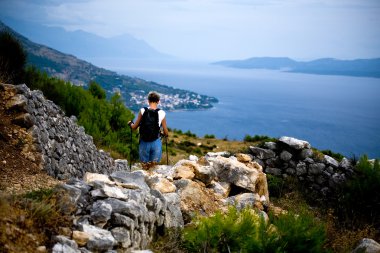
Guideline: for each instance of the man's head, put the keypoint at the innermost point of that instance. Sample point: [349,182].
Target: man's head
[153,97]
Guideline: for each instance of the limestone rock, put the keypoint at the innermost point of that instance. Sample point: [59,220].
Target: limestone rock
[331,161]
[261,153]
[173,215]
[237,173]
[92,177]
[184,172]
[221,188]
[99,239]
[295,143]
[122,236]
[161,184]
[81,238]
[367,245]
[204,173]
[196,199]
[244,158]
[135,178]
[285,155]
[243,200]
[101,213]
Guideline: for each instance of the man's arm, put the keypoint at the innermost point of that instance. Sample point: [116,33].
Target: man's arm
[164,126]
[137,123]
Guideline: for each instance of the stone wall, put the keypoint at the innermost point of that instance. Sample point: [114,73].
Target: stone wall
[293,157]
[66,150]
[124,211]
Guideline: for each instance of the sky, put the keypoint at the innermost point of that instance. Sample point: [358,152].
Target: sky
[221,29]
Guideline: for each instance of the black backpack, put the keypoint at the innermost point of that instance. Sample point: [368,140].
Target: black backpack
[149,125]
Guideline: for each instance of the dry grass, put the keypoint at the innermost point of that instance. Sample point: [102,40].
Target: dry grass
[181,146]
[339,238]
[31,220]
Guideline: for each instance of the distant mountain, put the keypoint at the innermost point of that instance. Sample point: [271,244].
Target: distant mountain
[86,45]
[79,72]
[325,66]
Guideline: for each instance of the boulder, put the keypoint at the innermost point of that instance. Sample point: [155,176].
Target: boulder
[101,213]
[161,184]
[316,168]
[295,143]
[270,145]
[237,173]
[173,215]
[345,164]
[196,199]
[216,154]
[243,200]
[306,153]
[285,155]
[220,188]
[135,179]
[331,161]
[367,245]
[122,236]
[204,173]
[261,153]
[81,238]
[184,172]
[90,178]
[99,239]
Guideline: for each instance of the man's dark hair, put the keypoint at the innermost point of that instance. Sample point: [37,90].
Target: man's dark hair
[153,97]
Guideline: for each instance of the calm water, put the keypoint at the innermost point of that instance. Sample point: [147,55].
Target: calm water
[331,112]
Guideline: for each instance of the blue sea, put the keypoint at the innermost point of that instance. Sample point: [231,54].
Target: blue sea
[339,113]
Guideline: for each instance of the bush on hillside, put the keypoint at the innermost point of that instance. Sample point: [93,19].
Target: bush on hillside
[246,231]
[258,138]
[12,59]
[337,156]
[358,201]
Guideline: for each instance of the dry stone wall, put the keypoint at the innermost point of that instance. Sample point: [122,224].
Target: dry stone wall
[66,150]
[124,211]
[293,157]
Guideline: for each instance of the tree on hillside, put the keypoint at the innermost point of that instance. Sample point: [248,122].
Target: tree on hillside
[96,90]
[12,59]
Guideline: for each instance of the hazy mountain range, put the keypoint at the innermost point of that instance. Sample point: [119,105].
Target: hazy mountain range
[80,72]
[325,66]
[86,45]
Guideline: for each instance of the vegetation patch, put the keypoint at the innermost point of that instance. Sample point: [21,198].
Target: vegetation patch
[29,221]
[247,231]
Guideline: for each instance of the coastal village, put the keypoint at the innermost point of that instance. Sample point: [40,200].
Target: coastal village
[173,101]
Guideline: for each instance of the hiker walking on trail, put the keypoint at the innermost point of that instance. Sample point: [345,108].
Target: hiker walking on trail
[150,120]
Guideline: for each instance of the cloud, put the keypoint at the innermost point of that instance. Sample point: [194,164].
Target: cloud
[221,28]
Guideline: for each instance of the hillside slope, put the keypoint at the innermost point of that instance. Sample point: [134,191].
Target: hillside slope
[87,45]
[20,162]
[133,90]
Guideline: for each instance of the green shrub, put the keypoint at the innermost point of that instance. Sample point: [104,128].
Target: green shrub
[258,138]
[246,231]
[209,136]
[358,200]
[275,185]
[222,232]
[299,233]
[190,134]
[105,120]
[337,156]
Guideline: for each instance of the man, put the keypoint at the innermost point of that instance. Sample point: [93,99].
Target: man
[150,119]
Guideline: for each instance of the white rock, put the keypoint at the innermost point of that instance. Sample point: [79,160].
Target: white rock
[295,143]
